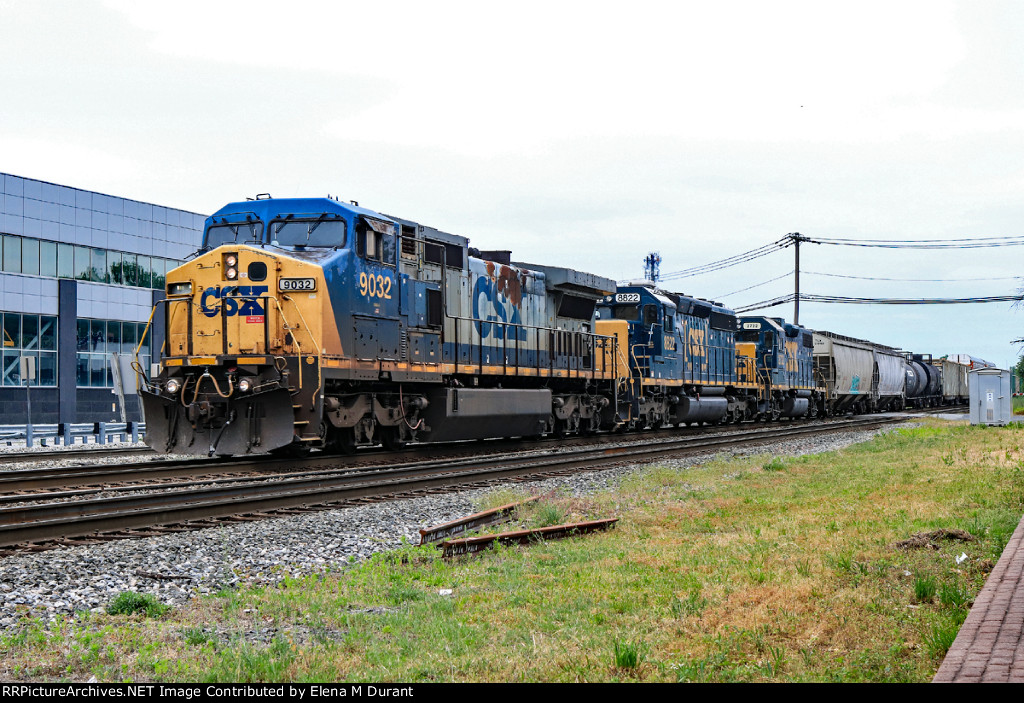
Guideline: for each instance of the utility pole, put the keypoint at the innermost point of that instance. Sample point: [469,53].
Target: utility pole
[797,238]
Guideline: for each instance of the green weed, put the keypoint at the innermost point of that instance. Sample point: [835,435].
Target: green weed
[130,602]
[924,588]
[628,655]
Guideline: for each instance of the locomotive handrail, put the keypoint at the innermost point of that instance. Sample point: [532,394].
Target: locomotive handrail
[319,347]
[139,347]
[519,326]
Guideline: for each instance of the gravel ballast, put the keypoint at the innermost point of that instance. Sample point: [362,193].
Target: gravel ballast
[177,567]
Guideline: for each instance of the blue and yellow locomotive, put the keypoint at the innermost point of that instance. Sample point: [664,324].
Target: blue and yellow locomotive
[681,354]
[779,356]
[691,360]
[313,323]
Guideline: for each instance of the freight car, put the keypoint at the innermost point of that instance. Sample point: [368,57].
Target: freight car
[954,381]
[923,381]
[859,376]
[312,323]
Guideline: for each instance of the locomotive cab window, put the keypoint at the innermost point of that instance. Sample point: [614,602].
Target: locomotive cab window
[630,313]
[650,315]
[375,241]
[319,232]
[234,233]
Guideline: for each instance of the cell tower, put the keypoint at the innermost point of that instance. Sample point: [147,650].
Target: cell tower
[652,267]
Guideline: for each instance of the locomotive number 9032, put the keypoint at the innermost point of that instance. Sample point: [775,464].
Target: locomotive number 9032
[374,286]
[289,284]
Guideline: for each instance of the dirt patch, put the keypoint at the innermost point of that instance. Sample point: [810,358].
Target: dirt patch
[930,540]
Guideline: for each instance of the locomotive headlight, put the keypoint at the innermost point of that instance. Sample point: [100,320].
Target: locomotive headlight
[244,385]
[179,288]
[172,386]
[230,262]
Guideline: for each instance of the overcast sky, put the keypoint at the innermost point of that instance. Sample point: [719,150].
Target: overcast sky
[576,134]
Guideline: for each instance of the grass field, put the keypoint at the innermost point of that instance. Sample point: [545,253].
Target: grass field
[756,569]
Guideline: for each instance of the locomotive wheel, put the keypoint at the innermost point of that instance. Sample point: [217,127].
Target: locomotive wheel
[343,441]
[392,440]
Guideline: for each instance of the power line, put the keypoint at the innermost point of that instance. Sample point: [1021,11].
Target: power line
[914,280]
[962,243]
[756,285]
[844,300]
[771,248]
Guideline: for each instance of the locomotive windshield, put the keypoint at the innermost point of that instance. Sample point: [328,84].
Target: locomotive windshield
[234,233]
[308,233]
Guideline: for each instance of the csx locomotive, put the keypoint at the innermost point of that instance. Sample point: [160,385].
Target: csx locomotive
[310,323]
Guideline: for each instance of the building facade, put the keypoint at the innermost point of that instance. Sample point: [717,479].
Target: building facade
[80,273]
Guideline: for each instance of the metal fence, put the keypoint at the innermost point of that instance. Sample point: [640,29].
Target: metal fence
[73,433]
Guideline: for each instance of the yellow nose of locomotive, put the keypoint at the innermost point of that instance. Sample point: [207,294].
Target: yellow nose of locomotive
[242,356]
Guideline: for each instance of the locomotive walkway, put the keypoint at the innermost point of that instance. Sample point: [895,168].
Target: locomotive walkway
[990,645]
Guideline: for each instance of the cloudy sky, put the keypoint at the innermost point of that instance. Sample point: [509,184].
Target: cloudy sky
[580,134]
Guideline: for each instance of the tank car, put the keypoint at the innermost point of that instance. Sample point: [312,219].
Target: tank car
[312,323]
[923,381]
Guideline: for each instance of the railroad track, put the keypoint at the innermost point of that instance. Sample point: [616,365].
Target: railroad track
[47,523]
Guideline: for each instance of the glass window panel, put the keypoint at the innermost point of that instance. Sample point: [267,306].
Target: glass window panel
[82,343]
[12,253]
[29,332]
[82,370]
[10,368]
[128,338]
[47,370]
[82,263]
[145,272]
[48,333]
[65,261]
[30,256]
[97,336]
[130,265]
[48,259]
[98,268]
[116,267]
[12,330]
[113,336]
[98,370]
[159,273]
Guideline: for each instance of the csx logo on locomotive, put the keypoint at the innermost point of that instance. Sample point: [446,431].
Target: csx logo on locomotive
[234,300]
[487,289]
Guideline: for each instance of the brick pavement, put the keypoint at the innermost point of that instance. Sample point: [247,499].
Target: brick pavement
[990,644]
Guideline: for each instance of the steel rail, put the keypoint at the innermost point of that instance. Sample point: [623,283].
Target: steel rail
[24,480]
[76,518]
